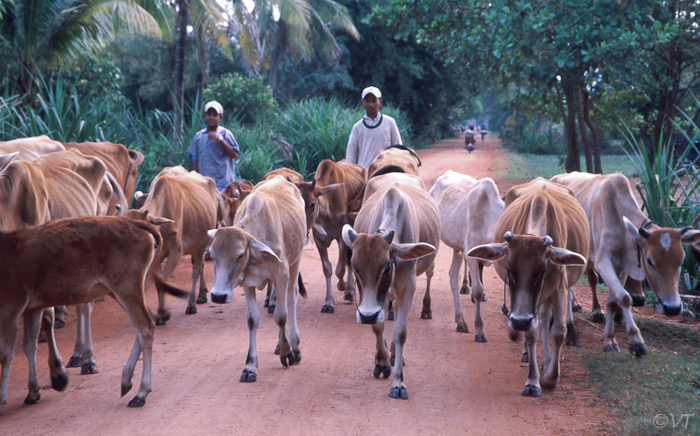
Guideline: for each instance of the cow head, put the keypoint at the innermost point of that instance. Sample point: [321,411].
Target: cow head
[373,262]
[232,197]
[660,255]
[531,263]
[239,260]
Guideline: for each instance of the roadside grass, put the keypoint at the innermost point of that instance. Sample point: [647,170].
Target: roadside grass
[529,165]
[658,394]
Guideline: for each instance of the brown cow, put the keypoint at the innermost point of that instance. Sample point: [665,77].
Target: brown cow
[625,243]
[233,195]
[192,202]
[264,245]
[121,162]
[395,158]
[333,211]
[395,239]
[31,148]
[69,262]
[538,250]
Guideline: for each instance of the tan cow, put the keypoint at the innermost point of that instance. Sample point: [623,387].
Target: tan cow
[122,163]
[264,245]
[333,211]
[625,243]
[31,148]
[397,158]
[69,262]
[192,202]
[395,239]
[538,250]
[469,210]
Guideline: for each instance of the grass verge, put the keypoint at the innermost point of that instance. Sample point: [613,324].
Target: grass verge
[529,166]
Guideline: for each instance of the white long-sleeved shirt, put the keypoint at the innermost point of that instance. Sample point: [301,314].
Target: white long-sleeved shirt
[366,141]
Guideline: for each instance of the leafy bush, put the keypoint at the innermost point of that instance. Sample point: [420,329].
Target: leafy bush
[527,137]
[247,99]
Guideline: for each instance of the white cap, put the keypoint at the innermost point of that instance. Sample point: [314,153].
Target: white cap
[214,105]
[371,90]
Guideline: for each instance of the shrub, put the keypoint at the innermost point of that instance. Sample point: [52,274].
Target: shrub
[247,99]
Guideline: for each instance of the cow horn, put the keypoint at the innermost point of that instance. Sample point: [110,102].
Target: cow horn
[644,232]
[508,235]
[684,229]
[547,241]
[389,237]
[313,181]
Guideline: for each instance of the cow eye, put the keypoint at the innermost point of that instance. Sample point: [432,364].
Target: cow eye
[650,262]
[312,205]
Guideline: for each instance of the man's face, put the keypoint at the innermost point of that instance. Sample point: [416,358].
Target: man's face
[212,118]
[371,105]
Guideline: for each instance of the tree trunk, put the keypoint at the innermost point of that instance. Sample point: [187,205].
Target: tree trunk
[277,55]
[183,18]
[203,67]
[573,159]
[582,131]
[597,166]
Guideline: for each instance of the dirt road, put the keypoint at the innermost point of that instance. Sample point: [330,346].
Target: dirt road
[456,385]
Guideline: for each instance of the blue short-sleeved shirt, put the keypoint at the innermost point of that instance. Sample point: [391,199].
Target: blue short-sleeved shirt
[212,158]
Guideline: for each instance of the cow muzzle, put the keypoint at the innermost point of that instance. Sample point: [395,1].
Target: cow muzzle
[374,318]
[521,323]
[669,309]
[221,298]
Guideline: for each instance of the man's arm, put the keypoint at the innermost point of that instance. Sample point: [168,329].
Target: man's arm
[228,148]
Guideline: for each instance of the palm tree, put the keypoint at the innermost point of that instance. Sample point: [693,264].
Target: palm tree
[303,29]
[42,34]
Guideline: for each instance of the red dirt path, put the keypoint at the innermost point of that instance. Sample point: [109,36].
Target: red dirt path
[455,385]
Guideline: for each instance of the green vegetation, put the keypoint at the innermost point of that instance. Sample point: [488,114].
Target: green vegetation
[529,165]
[649,395]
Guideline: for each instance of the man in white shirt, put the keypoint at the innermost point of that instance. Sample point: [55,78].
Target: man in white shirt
[373,133]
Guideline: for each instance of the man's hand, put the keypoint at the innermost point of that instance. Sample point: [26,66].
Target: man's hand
[215,136]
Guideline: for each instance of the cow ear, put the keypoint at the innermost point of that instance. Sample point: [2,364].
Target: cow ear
[349,235]
[6,159]
[262,248]
[157,220]
[690,236]
[212,233]
[328,189]
[563,257]
[490,252]
[412,251]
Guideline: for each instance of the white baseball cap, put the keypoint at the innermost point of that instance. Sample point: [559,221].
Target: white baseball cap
[371,90]
[214,105]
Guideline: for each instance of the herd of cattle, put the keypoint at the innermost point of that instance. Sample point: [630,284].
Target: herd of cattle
[61,244]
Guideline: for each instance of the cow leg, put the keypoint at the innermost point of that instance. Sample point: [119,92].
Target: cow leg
[532,384]
[328,305]
[76,359]
[465,281]
[60,317]
[271,298]
[86,352]
[382,365]
[203,291]
[197,272]
[30,341]
[145,327]
[59,375]
[575,305]
[173,257]
[400,333]
[427,312]
[475,268]
[349,287]
[292,296]
[544,324]
[287,356]
[557,332]
[571,333]
[455,267]
[636,291]
[598,315]
[250,369]
[9,323]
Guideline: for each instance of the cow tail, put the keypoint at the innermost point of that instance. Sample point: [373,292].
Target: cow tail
[302,288]
[162,284]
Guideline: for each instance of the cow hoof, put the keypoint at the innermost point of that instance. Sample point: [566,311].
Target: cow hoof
[32,399]
[89,368]
[291,359]
[75,362]
[480,337]
[59,382]
[201,300]
[126,388]
[638,350]
[327,309]
[612,347]
[384,371]
[136,402]
[399,392]
[638,300]
[277,350]
[271,309]
[598,318]
[577,308]
[348,298]
[59,324]
[464,290]
[463,329]
[266,303]
[531,391]
[525,358]
[248,376]
[426,315]
[42,337]
[390,315]
[191,310]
